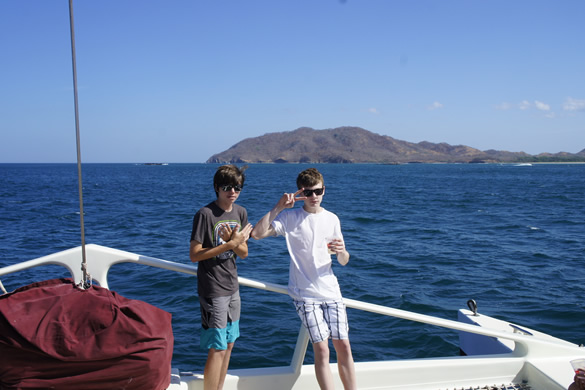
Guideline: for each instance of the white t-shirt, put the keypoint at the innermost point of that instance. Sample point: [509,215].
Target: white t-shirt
[310,275]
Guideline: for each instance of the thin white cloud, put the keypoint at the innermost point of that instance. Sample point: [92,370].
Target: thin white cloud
[373,110]
[524,105]
[435,106]
[541,106]
[574,104]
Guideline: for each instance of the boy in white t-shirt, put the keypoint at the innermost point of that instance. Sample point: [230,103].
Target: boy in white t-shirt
[312,233]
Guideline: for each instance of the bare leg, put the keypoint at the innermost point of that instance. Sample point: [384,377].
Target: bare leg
[213,369]
[322,369]
[225,364]
[345,364]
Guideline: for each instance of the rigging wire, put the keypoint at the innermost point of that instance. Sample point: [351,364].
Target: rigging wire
[85,283]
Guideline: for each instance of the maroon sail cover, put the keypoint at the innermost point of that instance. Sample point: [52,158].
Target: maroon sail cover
[54,335]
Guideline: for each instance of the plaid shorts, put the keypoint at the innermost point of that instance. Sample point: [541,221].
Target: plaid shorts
[324,319]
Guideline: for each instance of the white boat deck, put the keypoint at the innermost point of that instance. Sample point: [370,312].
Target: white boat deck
[530,359]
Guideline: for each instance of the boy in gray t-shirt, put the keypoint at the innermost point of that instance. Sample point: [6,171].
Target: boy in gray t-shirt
[219,235]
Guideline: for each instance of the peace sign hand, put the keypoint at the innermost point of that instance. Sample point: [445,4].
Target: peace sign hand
[288,200]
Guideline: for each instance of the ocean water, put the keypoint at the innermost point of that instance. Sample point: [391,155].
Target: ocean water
[422,237]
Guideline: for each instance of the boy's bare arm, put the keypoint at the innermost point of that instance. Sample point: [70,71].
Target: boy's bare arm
[343,257]
[237,243]
[198,253]
[264,227]
[338,246]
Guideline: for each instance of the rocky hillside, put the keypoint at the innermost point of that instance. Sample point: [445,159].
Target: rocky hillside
[356,145]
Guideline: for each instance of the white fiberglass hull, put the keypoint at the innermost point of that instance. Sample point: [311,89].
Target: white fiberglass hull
[527,360]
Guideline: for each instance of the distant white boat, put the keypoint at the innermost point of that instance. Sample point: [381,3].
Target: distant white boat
[523,165]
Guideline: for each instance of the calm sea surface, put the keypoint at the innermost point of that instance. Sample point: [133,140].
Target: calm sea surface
[424,238]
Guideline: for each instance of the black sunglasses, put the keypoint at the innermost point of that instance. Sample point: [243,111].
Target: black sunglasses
[316,191]
[230,187]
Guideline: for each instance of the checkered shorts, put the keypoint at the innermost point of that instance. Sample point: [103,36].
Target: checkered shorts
[324,319]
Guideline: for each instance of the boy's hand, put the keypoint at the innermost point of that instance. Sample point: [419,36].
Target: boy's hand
[336,245]
[288,200]
[236,235]
[579,379]
[241,236]
[225,232]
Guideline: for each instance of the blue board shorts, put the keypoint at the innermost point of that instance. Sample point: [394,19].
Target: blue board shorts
[324,320]
[220,321]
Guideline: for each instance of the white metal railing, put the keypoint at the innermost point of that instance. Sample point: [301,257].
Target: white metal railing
[101,258]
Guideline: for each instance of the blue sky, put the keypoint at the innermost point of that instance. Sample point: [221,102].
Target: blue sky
[181,80]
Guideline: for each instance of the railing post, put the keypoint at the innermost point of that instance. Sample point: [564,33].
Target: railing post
[300,350]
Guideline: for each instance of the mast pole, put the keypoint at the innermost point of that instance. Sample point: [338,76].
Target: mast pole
[85,282]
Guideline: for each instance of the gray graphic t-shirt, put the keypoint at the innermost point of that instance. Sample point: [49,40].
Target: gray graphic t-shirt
[216,277]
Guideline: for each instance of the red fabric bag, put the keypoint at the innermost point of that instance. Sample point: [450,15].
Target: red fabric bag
[54,335]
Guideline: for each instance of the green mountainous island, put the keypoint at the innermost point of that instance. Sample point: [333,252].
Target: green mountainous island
[357,145]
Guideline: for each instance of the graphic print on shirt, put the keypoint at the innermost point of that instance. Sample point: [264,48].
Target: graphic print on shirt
[217,240]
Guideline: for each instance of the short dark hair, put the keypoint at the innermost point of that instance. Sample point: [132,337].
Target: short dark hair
[229,175]
[309,178]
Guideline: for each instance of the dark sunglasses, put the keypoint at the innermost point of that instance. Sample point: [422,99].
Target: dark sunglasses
[228,188]
[316,191]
